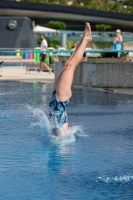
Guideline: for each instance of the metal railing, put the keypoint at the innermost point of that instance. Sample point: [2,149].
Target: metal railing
[20,57]
[15,56]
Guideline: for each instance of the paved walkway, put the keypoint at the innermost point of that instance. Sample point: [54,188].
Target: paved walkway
[19,73]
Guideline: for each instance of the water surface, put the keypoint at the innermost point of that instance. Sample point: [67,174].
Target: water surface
[96,163]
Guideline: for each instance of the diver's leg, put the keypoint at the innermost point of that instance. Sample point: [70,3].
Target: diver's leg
[64,80]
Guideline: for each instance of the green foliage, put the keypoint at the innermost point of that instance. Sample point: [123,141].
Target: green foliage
[99,44]
[102,45]
[56,25]
[69,44]
[38,41]
[55,44]
[62,2]
[102,27]
[107,5]
[51,43]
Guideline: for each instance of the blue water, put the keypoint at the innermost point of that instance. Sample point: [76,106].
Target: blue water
[94,162]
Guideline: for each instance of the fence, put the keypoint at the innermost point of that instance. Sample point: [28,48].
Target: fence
[21,57]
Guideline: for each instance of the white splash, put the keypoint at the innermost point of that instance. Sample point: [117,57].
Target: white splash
[116,179]
[41,114]
[42,117]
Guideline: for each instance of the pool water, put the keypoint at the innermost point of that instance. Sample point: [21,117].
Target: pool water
[94,162]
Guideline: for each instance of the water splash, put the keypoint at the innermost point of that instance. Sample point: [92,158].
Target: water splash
[43,121]
[70,136]
[117,179]
[41,115]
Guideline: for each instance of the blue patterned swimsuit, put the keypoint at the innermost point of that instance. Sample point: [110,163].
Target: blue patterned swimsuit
[58,110]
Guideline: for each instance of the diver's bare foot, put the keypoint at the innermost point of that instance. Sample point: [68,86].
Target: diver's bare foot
[87,32]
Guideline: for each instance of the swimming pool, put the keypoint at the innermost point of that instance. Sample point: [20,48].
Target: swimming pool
[96,163]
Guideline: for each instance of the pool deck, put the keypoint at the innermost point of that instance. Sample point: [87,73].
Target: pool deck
[19,74]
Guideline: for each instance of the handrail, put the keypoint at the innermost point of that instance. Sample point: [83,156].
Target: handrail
[65,51]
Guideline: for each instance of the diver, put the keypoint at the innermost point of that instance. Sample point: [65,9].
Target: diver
[62,93]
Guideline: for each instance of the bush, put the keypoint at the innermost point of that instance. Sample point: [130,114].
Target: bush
[102,27]
[51,43]
[102,45]
[69,43]
[38,41]
[56,25]
[55,44]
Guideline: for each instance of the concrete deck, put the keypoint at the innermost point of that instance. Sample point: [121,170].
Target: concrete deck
[19,73]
